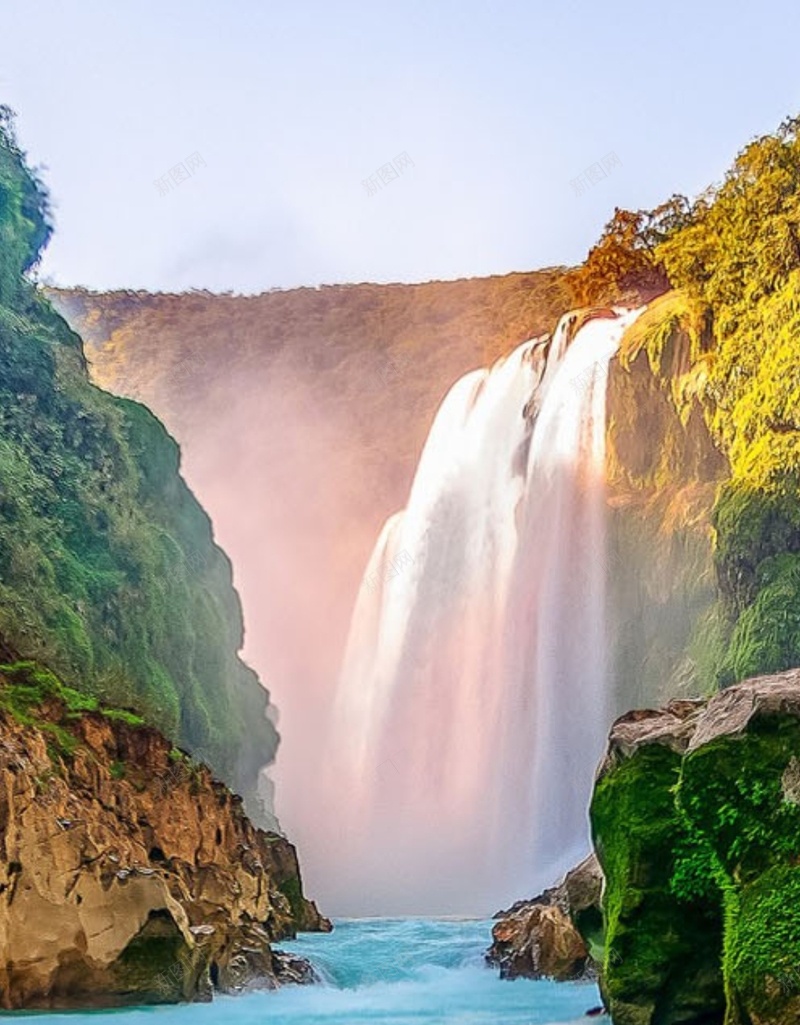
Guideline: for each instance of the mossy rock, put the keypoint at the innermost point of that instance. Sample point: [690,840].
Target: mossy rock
[696,820]
[740,791]
[662,955]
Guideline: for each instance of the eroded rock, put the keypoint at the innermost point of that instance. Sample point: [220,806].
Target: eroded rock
[540,938]
[129,875]
[697,826]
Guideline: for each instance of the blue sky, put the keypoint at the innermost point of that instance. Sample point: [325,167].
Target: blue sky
[292,106]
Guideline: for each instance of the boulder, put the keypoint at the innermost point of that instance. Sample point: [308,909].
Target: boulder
[661,959]
[540,938]
[696,823]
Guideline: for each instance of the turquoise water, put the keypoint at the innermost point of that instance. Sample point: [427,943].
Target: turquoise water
[386,972]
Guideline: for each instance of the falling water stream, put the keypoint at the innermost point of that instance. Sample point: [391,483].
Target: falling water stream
[474,697]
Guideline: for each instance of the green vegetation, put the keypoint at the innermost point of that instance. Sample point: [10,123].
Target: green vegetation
[724,345]
[293,892]
[700,853]
[625,263]
[663,472]
[108,570]
[701,849]
[658,913]
[122,715]
[36,697]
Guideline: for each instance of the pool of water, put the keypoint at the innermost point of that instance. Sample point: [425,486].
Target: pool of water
[385,972]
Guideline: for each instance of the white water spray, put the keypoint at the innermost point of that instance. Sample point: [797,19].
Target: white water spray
[474,700]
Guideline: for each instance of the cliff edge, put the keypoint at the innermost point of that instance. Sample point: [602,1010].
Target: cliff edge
[128,873]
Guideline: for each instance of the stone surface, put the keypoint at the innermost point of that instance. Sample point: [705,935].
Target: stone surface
[128,876]
[540,939]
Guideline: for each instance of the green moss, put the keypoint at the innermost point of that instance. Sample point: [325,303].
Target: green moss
[122,715]
[731,790]
[657,914]
[63,744]
[732,793]
[156,963]
[27,686]
[292,891]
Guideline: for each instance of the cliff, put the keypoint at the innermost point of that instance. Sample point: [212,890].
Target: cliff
[696,819]
[109,573]
[663,471]
[128,873]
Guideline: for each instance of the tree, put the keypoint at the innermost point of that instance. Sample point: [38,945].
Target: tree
[624,262]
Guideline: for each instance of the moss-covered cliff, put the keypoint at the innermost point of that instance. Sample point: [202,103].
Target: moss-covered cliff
[663,471]
[662,954]
[108,569]
[733,257]
[696,818]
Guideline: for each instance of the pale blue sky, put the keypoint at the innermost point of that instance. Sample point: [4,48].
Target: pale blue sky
[500,105]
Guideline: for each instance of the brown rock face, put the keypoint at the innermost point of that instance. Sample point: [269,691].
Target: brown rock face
[129,876]
[540,938]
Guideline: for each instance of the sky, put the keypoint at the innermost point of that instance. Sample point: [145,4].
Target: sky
[226,145]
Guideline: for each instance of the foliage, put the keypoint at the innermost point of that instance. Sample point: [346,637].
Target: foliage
[35,696]
[108,569]
[24,212]
[625,260]
[728,341]
[123,715]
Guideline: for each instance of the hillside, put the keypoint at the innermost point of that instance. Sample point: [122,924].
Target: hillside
[109,573]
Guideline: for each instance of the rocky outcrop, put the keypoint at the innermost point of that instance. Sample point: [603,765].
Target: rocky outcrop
[128,874]
[663,948]
[550,936]
[697,826]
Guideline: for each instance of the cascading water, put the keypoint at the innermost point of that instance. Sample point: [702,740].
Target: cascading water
[474,698]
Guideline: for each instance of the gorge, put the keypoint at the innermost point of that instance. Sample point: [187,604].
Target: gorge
[651,586]
[601,515]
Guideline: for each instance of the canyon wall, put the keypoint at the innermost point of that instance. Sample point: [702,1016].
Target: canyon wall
[128,873]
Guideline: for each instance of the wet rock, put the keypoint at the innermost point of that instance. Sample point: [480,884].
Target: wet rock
[540,938]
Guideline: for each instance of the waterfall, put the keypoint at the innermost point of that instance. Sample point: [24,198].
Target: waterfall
[473,702]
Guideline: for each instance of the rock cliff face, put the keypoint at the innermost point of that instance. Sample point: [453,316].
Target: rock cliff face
[128,874]
[109,572]
[663,471]
[696,818]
